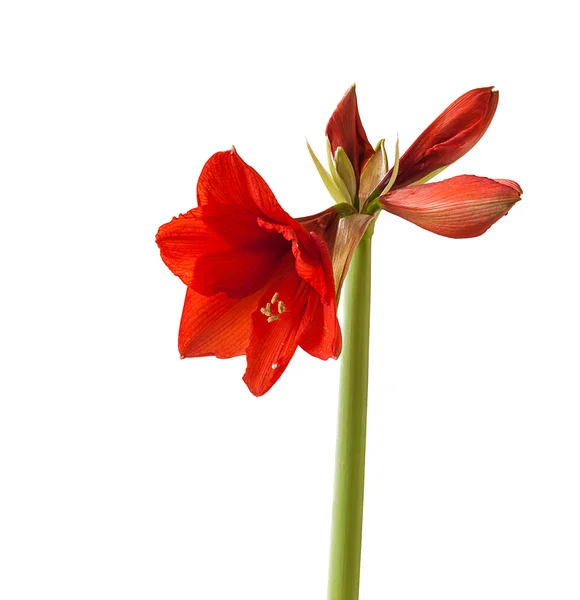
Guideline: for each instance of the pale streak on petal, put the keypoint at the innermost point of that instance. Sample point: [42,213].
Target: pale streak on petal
[430,176]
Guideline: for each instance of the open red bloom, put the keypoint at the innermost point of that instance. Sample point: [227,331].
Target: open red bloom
[460,207]
[259,283]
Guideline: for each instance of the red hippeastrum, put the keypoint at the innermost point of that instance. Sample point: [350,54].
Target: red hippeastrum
[258,281]
[459,207]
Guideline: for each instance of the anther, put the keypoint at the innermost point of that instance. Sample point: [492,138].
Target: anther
[281,306]
[265,311]
[273,318]
[275,297]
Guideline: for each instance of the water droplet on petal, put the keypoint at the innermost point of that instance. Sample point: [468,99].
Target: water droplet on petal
[275,366]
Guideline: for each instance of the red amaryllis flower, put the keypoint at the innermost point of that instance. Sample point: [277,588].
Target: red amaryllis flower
[259,283]
[459,207]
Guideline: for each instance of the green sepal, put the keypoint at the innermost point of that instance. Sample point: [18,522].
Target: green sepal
[373,172]
[335,191]
[345,171]
[372,206]
[333,171]
[395,171]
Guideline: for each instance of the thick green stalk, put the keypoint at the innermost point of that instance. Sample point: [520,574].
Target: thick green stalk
[347,513]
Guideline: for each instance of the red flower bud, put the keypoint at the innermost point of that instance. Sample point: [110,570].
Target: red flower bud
[345,130]
[451,135]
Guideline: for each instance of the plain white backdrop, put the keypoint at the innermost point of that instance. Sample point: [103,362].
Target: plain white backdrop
[127,473]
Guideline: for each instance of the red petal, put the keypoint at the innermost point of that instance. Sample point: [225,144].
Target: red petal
[240,271]
[215,325]
[453,133]
[210,231]
[272,344]
[227,180]
[324,224]
[312,259]
[182,241]
[345,129]
[236,274]
[460,207]
[322,337]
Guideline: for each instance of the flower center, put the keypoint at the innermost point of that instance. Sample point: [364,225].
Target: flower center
[275,305]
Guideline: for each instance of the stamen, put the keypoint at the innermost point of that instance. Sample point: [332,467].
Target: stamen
[272,306]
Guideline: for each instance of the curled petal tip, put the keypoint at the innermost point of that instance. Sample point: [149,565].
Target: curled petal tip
[512,184]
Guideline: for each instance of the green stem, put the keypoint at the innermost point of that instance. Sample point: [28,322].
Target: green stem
[347,513]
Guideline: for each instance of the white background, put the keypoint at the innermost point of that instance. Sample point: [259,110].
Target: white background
[127,473]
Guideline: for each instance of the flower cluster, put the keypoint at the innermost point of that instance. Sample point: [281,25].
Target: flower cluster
[261,283]
[460,207]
